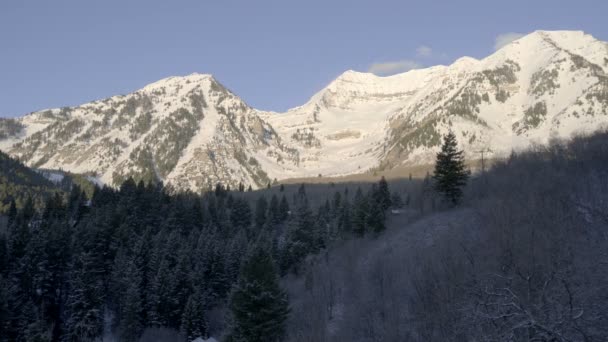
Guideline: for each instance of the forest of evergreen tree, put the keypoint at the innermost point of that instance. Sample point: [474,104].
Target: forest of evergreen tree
[128,259]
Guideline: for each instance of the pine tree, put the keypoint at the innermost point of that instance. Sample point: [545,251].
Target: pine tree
[194,323]
[4,312]
[179,285]
[219,190]
[284,209]
[131,311]
[48,257]
[396,201]
[427,191]
[337,202]
[85,301]
[303,236]
[4,255]
[450,174]
[344,218]
[375,217]
[384,194]
[229,201]
[34,327]
[274,213]
[240,215]
[198,214]
[233,255]
[212,209]
[261,206]
[12,212]
[325,228]
[360,211]
[258,305]
[157,296]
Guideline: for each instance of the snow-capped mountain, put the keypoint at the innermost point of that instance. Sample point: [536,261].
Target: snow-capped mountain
[191,132]
[186,131]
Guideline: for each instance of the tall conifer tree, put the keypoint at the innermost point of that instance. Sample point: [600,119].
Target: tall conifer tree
[259,306]
[450,174]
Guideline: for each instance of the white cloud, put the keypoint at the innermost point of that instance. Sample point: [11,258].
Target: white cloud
[394,67]
[505,38]
[424,51]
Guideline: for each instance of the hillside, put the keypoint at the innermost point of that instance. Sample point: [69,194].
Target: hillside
[18,183]
[192,132]
[141,262]
[523,259]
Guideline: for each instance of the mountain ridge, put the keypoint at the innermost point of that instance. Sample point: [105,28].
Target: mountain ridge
[192,132]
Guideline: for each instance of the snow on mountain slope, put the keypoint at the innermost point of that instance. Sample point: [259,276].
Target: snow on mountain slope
[535,88]
[188,131]
[191,132]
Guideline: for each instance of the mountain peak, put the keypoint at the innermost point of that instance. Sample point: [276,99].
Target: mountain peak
[562,39]
[191,131]
[355,76]
[558,33]
[173,81]
[464,62]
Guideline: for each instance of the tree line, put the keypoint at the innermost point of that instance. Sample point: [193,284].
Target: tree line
[137,257]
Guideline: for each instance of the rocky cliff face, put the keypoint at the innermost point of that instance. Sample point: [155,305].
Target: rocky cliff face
[191,132]
[186,131]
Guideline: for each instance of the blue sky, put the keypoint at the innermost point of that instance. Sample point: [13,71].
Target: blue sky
[274,54]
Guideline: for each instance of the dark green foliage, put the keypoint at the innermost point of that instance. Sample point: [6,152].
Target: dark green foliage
[197,100]
[141,125]
[283,209]
[253,167]
[274,211]
[533,117]
[84,305]
[9,128]
[303,236]
[261,206]
[360,211]
[162,146]
[131,310]
[4,253]
[413,135]
[153,260]
[544,81]
[465,105]
[306,137]
[396,201]
[258,305]
[384,194]
[485,97]
[375,217]
[240,215]
[4,309]
[450,174]
[18,183]
[194,323]
[344,221]
[376,203]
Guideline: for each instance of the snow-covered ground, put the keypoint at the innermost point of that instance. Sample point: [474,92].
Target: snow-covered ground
[53,176]
[357,122]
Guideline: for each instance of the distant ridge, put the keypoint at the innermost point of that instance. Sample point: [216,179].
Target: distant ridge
[191,132]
